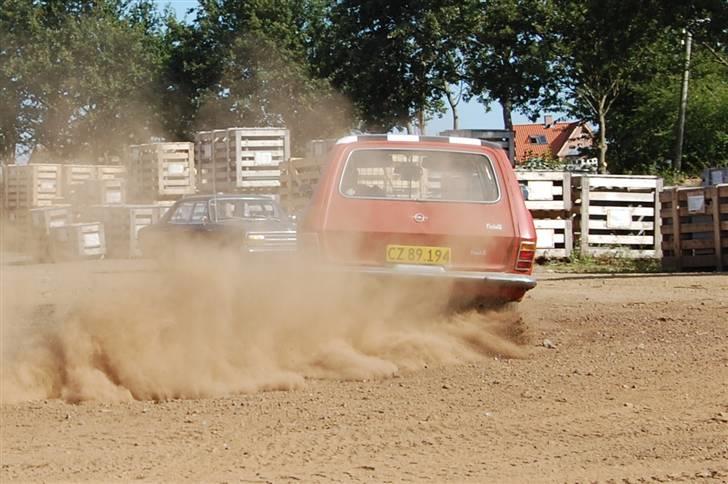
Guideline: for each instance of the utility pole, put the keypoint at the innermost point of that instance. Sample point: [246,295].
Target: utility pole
[677,163]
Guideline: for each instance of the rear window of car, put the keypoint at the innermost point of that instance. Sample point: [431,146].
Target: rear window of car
[427,175]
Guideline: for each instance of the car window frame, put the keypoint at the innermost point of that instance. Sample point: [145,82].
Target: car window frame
[496,175]
[277,209]
[176,207]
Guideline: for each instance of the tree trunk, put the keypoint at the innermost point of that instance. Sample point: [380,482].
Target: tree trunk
[602,143]
[421,121]
[454,108]
[507,106]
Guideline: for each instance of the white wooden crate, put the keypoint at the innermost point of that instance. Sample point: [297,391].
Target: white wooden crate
[547,190]
[241,159]
[78,241]
[122,224]
[619,215]
[161,170]
[29,186]
[554,238]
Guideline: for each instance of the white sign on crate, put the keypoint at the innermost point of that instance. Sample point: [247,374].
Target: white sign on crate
[113,197]
[91,240]
[619,218]
[540,190]
[696,203]
[545,239]
[263,158]
[176,169]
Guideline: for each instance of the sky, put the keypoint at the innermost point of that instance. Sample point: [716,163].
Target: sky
[473,114]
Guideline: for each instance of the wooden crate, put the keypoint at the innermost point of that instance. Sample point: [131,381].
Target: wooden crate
[243,160]
[554,238]
[78,241]
[715,176]
[161,171]
[110,172]
[77,175]
[299,177]
[29,186]
[42,220]
[97,192]
[87,184]
[619,215]
[547,190]
[122,225]
[695,228]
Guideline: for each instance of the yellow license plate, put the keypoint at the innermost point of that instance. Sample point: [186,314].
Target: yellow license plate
[418,254]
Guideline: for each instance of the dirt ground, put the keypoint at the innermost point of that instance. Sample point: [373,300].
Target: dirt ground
[618,378]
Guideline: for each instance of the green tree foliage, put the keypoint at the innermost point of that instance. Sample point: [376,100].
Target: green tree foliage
[245,63]
[78,77]
[509,54]
[603,44]
[394,60]
[643,132]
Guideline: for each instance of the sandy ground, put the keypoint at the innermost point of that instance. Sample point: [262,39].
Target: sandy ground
[631,386]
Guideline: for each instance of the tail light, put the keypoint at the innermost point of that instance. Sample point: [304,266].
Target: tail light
[526,255]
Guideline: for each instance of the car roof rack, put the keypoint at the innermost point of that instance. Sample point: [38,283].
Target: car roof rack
[413,138]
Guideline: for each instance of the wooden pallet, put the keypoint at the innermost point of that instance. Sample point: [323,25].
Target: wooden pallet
[547,190]
[554,238]
[161,171]
[619,215]
[241,159]
[695,228]
[78,241]
[29,186]
[298,180]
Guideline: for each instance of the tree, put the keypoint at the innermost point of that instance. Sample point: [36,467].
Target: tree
[509,54]
[395,60]
[603,44]
[81,75]
[644,117]
[247,63]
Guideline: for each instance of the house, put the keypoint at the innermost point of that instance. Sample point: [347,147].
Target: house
[552,140]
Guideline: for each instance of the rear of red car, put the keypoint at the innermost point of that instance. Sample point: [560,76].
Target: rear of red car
[445,208]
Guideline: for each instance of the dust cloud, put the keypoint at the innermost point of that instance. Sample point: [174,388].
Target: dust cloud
[209,323]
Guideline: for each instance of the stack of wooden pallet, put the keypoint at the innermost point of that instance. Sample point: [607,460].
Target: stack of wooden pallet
[26,187]
[548,197]
[695,228]
[243,160]
[161,171]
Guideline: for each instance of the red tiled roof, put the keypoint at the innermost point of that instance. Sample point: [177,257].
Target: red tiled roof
[556,135]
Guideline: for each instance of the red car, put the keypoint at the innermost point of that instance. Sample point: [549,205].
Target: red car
[424,207]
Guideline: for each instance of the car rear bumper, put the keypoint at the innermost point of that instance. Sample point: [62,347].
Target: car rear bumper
[501,279]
